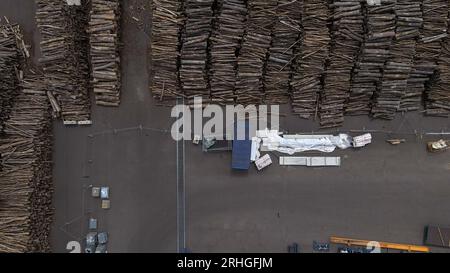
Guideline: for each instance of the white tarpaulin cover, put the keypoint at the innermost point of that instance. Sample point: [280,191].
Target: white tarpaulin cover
[272,141]
[361,141]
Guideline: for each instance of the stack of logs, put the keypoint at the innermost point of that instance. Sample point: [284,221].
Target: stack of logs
[104,51]
[428,50]
[438,103]
[10,60]
[65,56]
[348,34]
[374,53]
[225,44]
[331,58]
[167,20]
[399,66]
[195,36]
[285,36]
[253,54]
[25,178]
[435,48]
[310,65]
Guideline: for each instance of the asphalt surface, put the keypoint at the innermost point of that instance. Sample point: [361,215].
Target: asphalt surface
[381,192]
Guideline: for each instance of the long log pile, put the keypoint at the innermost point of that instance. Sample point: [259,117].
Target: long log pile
[64,48]
[428,51]
[374,53]
[313,53]
[167,21]
[330,58]
[25,178]
[437,94]
[438,100]
[225,43]
[348,34]
[195,36]
[399,66]
[254,52]
[285,36]
[10,65]
[104,36]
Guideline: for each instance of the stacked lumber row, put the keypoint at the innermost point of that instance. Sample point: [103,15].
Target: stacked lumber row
[311,58]
[10,65]
[167,20]
[254,51]
[313,53]
[195,36]
[374,53]
[285,35]
[348,34]
[428,51]
[438,97]
[438,101]
[104,40]
[225,43]
[64,48]
[26,176]
[399,66]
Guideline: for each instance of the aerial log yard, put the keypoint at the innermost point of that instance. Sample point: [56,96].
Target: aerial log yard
[224,126]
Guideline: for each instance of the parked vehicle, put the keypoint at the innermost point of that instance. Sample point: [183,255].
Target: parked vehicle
[438,146]
[321,247]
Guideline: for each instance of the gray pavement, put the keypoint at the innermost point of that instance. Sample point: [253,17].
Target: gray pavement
[381,192]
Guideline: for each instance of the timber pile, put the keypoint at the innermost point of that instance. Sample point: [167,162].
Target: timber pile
[167,20]
[375,52]
[438,100]
[225,43]
[399,66]
[25,179]
[348,34]
[310,64]
[428,51]
[285,35]
[363,58]
[104,37]
[195,36]
[253,54]
[10,65]
[438,93]
[64,48]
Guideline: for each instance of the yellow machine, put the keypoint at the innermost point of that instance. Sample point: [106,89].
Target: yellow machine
[355,242]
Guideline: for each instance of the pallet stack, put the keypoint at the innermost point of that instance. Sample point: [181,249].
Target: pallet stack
[26,176]
[375,51]
[312,55]
[104,38]
[254,51]
[167,20]
[195,36]
[285,35]
[399,66]
[64,49]
[348,34]
[225,44]
[10,66]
